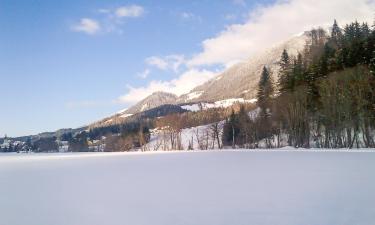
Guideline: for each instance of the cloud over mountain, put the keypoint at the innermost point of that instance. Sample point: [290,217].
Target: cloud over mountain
[270,24]
[266,26]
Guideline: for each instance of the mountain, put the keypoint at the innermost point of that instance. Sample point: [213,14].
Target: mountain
[241,80]
[154,100]
[236,84]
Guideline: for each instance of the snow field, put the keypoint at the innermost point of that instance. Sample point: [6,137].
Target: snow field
[283,187]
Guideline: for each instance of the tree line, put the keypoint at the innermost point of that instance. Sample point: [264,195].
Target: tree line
[121,137]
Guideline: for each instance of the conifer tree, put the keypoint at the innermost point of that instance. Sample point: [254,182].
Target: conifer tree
[336,34]
[372,64]
[299,69]
[284,81]
[231,130]
[265,92]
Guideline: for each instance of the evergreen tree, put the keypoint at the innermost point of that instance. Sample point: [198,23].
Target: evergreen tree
[231,130]
[298,70]
[265,92]
[336,34]
[79,143]
[372,64]
[285,61]
[365,30]
[285,82]
[369,49]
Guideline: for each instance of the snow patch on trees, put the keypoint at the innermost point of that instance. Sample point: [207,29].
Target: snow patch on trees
[218,104]
[194,95]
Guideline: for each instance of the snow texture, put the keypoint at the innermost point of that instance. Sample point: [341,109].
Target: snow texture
[194,95]
[189,188]
[125,115]
[218,104]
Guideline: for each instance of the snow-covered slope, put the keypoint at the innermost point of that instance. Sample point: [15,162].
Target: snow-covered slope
[154,100]
[151,102]
[189,188]
[241,80]
[218,104]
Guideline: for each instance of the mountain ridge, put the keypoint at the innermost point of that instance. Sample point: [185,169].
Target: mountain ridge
[237,82]
[240,80]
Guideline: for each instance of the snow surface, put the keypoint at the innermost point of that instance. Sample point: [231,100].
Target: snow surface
[193,107]
[218,104]
[189,188]
[109,121]
[194,95]
[121,111]
[125,115]
[144,106]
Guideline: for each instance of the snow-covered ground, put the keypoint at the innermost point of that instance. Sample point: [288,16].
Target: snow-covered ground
[193,136]
[189,188]
[218,104]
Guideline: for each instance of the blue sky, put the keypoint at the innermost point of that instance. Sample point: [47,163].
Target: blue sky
[69,63]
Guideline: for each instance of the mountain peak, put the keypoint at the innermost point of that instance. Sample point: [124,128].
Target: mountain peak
[154,100]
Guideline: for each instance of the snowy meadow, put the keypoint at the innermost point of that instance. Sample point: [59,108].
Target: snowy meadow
[189,188]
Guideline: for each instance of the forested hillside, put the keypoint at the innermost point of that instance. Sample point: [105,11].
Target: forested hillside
[324,97]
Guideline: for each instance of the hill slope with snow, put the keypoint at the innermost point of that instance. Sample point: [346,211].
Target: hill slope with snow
[154,100]
[241,80]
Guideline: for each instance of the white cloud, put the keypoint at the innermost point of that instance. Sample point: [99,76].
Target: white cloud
[170,62]
[110,20]
[190,16]
[87,25]
[157,62]
[187,15]
[129,11]
[268,25]
[178,86]
[144,74]
[175,61]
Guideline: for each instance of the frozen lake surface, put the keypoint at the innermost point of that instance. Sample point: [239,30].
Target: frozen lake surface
[189,188]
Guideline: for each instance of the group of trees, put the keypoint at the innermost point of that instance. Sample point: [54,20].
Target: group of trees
[46,144]
[184,131]
[112,138]
[9,146]
[127,140]
[247,129]
[324,96]
[170,129]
